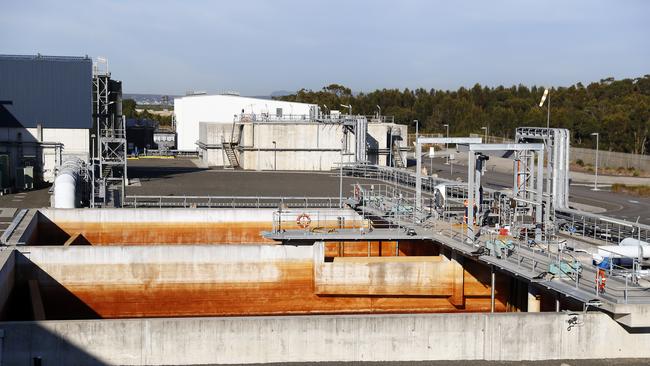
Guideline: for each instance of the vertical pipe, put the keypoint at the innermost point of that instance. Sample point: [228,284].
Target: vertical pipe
[470,196]
[492,284]
[418,173]
[539,198]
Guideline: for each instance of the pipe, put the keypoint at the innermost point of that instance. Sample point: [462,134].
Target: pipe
[65,184]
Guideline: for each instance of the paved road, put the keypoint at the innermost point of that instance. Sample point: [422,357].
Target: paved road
[623,206]
[180,177]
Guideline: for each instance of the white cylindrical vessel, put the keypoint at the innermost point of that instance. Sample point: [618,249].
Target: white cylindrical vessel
[632,242]
[65,184]
[616,251]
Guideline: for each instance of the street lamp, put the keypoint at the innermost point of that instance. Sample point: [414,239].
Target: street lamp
[378,111]
[548,111]
[486,132]
[349,106]
[417,130]
[446,144]
[596,176]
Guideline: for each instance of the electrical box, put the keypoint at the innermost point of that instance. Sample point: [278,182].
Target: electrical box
[28,177]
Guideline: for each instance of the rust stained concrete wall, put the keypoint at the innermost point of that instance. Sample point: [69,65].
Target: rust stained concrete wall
[204,280]
[172,226]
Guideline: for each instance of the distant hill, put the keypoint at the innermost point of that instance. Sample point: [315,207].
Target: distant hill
[281,93]
[150,99]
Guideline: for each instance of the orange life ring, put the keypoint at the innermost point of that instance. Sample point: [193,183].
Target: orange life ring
[303,220]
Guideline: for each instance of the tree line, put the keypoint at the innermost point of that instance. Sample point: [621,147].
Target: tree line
[129,110]
[619,110]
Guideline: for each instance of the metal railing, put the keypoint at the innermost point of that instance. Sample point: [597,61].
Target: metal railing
[269,117]
[315,221]
[139,201]
[549,262]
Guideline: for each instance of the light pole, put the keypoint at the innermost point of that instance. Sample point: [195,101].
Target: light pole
[275,156]
[596,171]
[417,130]
[379,112]
[486,136]
[341,174]
[349,107]
[446,144]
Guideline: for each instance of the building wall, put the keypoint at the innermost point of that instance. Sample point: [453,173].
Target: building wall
[50,91]
[75,142]
[53,91]
[191,110]
[298,145]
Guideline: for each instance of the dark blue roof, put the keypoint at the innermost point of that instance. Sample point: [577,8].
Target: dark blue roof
[51,90]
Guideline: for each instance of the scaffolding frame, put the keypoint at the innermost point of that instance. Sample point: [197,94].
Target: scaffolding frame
[109,159]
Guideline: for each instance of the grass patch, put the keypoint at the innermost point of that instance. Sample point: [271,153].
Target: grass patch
[642,191]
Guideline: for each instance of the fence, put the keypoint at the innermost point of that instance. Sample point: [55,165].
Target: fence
[611,159]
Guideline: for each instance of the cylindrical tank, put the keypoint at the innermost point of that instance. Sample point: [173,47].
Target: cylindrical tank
[632,242]
[616,251]
[65,184]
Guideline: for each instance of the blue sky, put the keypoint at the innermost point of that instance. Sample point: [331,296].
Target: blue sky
[257,47]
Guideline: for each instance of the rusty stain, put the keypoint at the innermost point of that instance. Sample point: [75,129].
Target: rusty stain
[291,293]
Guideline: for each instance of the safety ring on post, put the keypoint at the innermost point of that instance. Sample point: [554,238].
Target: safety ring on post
[303,221]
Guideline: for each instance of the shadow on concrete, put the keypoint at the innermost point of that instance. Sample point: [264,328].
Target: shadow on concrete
[25,341]
[145,173]
[58,302]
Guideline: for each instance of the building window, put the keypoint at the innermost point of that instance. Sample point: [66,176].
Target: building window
[278,112]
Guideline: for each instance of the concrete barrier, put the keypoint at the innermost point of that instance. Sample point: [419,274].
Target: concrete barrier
[234,340]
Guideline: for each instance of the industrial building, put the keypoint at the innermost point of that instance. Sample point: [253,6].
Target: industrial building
[302,143]
[259,134]
[190,110]
[45,116]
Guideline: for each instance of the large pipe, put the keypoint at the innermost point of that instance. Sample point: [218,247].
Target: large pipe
[627,242]
[65,184]
[616,251]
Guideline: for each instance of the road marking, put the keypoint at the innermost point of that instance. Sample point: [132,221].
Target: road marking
[632,201]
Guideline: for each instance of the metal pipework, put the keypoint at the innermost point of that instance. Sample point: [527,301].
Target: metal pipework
[418,157]
[66,184]
[473,179]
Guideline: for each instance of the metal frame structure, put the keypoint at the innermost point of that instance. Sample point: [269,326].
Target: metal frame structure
[434,140]
[557,141]
[532,192]
[109,162]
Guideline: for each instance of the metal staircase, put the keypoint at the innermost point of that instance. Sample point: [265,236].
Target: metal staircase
[397,155]
[229,147]
[231,155]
